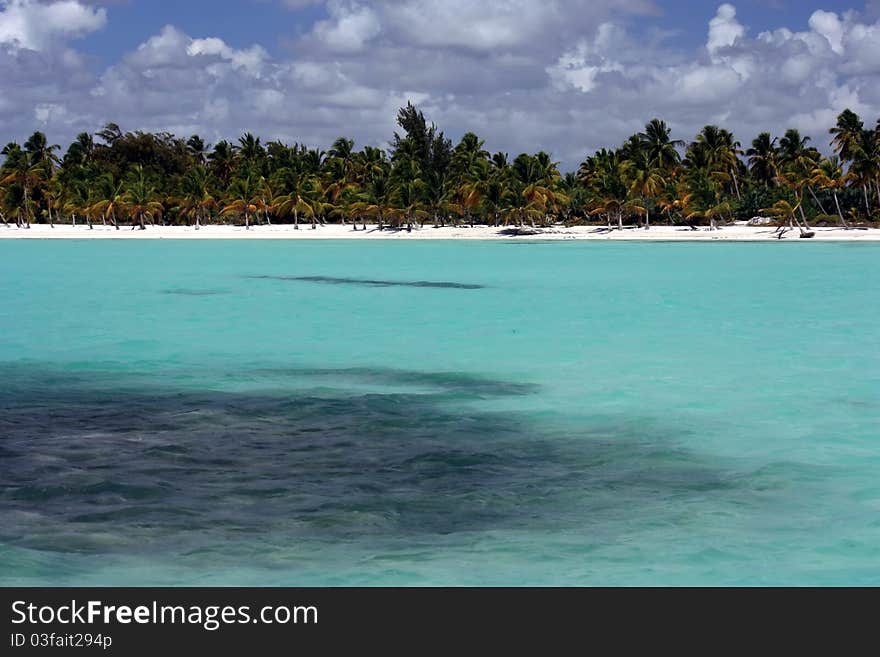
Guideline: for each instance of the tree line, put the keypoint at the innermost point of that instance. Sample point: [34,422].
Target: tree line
[141,178]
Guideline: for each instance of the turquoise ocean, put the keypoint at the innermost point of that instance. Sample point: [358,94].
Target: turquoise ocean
[439,413]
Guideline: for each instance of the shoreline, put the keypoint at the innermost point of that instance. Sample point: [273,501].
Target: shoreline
[734,233]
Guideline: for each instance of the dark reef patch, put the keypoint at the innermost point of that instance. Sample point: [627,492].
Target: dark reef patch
[456,383]
[330,280]
[191,292]
[95,463]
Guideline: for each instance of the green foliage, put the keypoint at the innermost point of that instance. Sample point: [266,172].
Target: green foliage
[756,198]
[140,177]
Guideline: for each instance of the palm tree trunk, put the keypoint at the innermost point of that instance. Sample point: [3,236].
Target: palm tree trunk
[3,219]
[736,185]
[73,219]
[804,216]
[839,212]
[247,220]
[143,226]
[619,220]
[647,218]
[815,198]
[115,220]
[867,204]
[295,220]
[27,216]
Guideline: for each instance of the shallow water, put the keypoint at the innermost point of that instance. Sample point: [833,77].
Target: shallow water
[283,413]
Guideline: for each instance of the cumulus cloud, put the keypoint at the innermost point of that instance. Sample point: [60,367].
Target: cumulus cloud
[773,80]
[35,25]
[829,25]
[488,26]
[724,29]
[349,28]
[569,78]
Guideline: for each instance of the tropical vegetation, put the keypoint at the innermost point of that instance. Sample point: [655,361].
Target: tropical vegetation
[140,178]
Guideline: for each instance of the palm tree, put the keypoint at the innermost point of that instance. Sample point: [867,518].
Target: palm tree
[81,151]
[40,151]
[702,194]
[313,160]
[18,169]
[661,149]
[244,199]
[865,167]
[79,199]
[468,155]
[111,197]
[342,152]
[197,200]
[793,147]
[408,202]
[297,200]
[110,133]
[846,134]
[374,199]
[3,206]
[786,214]
[221,163]
[797,163]
[711,212]
[602,174]
[720,152]
[52,192]
[250,150]
[829,175]
[140,198]
[612,207]
[645,180]
[764,159]
[198,150]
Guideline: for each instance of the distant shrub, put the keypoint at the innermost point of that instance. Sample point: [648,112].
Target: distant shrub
[827,220]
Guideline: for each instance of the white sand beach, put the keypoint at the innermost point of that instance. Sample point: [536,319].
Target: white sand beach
[735,233]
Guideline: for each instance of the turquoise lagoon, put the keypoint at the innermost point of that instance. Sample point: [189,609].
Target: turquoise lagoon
[439,413]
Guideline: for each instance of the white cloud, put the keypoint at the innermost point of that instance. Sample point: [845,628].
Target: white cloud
[724,29]
[35,25]
[779,79]
[488,26]
[570,78]
[349,27]
[828,24]
[250,59]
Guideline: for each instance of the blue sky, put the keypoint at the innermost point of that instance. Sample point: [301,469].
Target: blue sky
[273,25]
[568,76]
